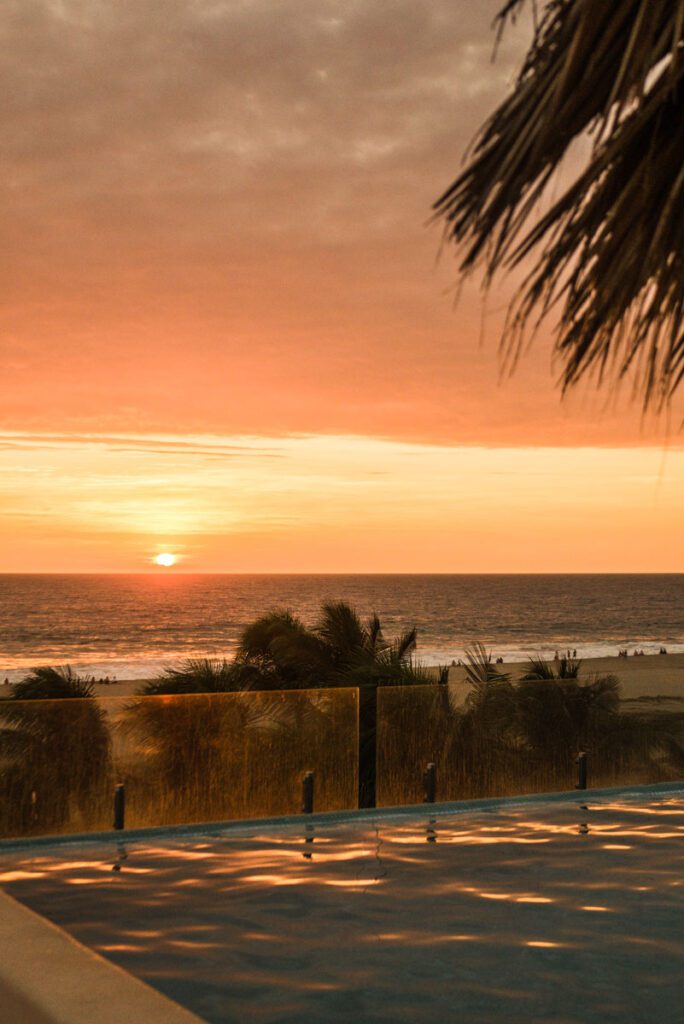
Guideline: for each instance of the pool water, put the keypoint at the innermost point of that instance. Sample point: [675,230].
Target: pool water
[549,911]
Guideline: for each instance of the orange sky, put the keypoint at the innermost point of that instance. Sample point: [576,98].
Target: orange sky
[225,329]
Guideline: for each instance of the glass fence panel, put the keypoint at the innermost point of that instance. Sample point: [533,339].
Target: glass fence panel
[182,758]
[510,739]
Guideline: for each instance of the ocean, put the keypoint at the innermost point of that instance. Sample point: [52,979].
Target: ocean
[131,626]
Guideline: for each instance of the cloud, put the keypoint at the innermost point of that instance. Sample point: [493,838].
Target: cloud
[215,222]
[206,447]
[182,113]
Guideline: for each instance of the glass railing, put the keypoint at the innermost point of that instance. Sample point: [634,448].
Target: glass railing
[181,759]
[215,757]
[512,742]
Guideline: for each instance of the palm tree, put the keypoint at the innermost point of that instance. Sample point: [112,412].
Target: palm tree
[49,683]
[560,715]
[278,652]
[565,668]
[201,756]
[608,253]
[338,650]
[55,749]
[195,675]
[487,734]
[525,735]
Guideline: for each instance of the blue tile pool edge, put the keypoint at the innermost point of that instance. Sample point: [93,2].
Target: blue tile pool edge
[254,826]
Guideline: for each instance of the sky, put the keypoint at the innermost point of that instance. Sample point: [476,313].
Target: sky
[229,330]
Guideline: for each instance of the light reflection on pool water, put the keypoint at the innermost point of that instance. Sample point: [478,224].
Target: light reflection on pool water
[547,912]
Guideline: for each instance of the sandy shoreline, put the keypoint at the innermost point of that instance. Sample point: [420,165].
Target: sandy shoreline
[650,676]
[654,675]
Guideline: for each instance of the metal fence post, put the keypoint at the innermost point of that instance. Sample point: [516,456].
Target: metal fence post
[119,806]
[581,763]
[368,744]
[308,793]
[429,783]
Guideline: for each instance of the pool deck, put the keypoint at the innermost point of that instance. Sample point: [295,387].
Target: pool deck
[47,977]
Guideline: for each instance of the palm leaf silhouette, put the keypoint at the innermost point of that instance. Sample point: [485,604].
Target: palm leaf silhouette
[608,254]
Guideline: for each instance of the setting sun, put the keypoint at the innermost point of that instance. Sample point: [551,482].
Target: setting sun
[165,559]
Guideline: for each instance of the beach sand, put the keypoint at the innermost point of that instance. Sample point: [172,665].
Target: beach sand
[655,675]
[651,677]
[648,677]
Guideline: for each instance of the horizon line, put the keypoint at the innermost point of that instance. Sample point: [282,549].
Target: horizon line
[558,572]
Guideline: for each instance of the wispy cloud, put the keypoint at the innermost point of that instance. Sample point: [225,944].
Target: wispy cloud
[144,444]
[335,503]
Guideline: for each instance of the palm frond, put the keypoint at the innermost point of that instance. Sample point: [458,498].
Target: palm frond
[479,667]
[562,668]
[538,668]
[602,692]
[52,683]
[374,632]
[340,628]
[405,646]
[280,652]
[257,638]
[569,668]
[443,675]
[195,675]
[608,254]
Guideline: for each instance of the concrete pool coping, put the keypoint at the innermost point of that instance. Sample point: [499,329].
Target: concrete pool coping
[248,826]
[47,977]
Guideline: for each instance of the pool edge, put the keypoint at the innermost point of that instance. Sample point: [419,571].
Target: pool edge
[247,826]
[48,977]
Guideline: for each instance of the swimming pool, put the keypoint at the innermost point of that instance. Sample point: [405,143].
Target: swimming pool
[565,909]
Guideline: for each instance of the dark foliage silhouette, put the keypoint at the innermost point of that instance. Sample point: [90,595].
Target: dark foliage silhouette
[607,256]
[56,753]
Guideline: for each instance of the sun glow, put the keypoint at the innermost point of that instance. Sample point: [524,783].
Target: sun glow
[166,559]
[318,503]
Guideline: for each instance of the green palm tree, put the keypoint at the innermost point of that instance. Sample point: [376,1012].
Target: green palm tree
[187,750]
[607,254]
